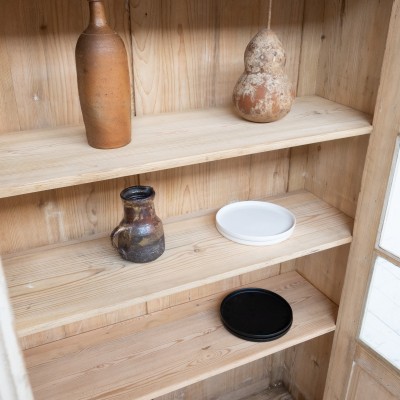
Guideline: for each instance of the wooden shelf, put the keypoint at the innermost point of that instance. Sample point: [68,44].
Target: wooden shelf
[150,356]
[33,161]
[66,284]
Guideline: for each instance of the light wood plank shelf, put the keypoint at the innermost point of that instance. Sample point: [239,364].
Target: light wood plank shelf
[66,284]
[150,356]
[38,160]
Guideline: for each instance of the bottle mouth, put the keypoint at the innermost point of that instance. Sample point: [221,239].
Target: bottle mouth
[137,193]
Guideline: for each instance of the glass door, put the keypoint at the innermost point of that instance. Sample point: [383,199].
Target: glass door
[380,328]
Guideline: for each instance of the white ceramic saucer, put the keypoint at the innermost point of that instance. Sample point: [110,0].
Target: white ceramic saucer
[255,223]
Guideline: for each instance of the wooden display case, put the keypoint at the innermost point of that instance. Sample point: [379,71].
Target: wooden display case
[93,326]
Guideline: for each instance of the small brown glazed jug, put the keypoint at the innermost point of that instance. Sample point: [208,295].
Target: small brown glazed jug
[263,92]
[140,235]
[103,82]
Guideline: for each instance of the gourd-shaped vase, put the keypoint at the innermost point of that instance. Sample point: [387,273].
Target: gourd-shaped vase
[263,92]
[103,82]
[140,235]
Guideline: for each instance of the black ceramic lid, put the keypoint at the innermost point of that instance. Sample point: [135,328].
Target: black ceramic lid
[255,314]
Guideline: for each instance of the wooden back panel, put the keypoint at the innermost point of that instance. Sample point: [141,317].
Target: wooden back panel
[184,54]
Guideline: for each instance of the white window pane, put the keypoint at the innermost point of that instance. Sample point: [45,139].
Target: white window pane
[390,237]
[380,327]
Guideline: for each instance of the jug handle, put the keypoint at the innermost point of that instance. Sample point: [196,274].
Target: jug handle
[114,234]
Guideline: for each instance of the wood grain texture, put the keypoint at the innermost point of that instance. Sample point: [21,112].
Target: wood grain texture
[169,349]
[364,386]
[8,104]
[297,167]
[372,376]
[352,51]
[212,185]
[36,52]
[306,367]
[312,36]
[279,392]
[48,292]
[238,383]
[150,306]
[186,54]
[54,216]
[189,54]
[326,271]
[13,376]
[29,162]
[211,288]
[352,41]
[38,60]
[371,201]
[334,172]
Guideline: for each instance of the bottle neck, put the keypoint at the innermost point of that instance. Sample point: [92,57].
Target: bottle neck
[97,19]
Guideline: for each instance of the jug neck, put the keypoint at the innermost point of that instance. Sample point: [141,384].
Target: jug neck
[136,211]
[138,203]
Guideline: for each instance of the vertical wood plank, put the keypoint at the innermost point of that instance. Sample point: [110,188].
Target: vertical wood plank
[8,104]
[36,57]
[173,51]
[297,167]
[310,47]
[26,59]
[352,51]
[287,22]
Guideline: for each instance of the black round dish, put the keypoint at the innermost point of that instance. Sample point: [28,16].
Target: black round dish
[255,314]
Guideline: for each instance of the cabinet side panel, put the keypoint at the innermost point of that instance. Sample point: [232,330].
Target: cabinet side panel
[189,54]
[352,51]
[334,171]
[306,366]
[235,384]
[325,270]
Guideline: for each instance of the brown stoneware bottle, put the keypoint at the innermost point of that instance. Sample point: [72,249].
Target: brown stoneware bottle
[263,92]
[140,235]
[103,82]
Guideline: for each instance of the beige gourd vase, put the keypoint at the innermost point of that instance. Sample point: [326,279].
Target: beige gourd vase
[263,92]
[103,82]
